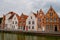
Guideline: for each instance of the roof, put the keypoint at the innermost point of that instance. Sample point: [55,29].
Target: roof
[11,16]
[11,12]
[35,14]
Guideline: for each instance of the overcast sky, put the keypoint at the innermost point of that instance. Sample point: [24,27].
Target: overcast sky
[27,6]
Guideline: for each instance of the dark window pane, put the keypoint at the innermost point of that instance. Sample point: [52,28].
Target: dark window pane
[15,22]
[31,17]
[29,27]
[29,22]
[32,27]
[32,22]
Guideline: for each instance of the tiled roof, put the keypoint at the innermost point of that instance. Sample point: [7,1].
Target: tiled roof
[11,12]
[11,16]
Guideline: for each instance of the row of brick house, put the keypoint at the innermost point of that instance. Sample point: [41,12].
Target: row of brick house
[49,22]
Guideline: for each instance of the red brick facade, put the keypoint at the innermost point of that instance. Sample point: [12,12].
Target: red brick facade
[51,21]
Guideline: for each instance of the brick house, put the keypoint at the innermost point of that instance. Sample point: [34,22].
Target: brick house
[22,21]
[51,21]
[40,20]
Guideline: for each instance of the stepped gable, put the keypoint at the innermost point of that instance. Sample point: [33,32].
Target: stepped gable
[40,13]
[24,16]
[51,10]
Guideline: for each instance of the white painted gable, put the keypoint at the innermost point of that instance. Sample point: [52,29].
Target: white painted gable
[15,20]
[35,22]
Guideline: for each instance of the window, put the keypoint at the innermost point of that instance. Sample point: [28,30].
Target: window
[29,22]
[13,27]
[55,19]
[32,22]
[31,17]
[29,27]
[51,19]
[32,27]
[47,27]
[15,22]
[51,14]
[51,27]
[47,19]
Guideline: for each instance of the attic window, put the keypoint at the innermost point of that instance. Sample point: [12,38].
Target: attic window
[51,14]
[31,17]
